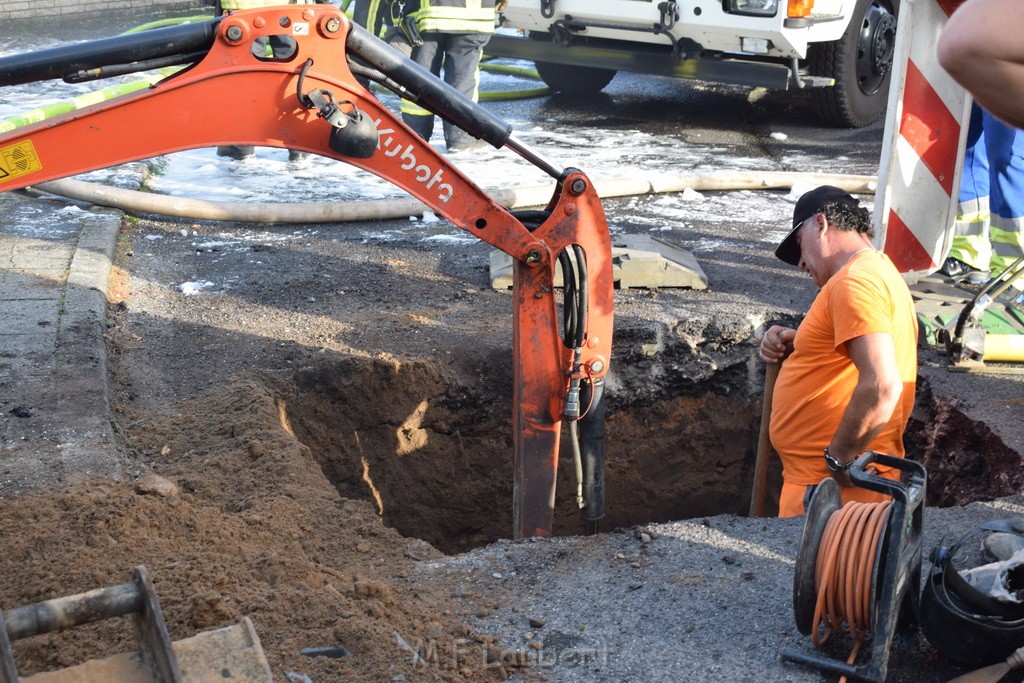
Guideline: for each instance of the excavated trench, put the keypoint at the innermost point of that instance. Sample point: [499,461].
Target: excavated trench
[435,456]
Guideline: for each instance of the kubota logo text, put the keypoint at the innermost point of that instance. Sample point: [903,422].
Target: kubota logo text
[424,174]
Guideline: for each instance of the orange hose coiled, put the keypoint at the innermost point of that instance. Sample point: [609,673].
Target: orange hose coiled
[843,573]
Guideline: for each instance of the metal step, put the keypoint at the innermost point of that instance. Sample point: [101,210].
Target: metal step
[232,652]
[229,653]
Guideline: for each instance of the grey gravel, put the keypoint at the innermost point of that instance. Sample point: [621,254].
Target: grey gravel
[706,599]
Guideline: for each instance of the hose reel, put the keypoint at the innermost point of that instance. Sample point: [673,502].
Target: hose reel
[859,567]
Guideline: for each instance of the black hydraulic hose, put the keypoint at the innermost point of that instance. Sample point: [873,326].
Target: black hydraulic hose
[134,67]
[531,218]
[360,69]
[570,320]
[575,296]
[583,295]
[990,291]
[592,443]
[57,62]
[424,88]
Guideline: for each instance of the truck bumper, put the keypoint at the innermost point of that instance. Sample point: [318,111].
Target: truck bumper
[636,59]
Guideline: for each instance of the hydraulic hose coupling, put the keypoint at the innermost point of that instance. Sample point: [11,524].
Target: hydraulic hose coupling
[572,401]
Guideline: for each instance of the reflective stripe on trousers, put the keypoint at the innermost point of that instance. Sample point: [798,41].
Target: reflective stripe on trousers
[250,4]
[989,232]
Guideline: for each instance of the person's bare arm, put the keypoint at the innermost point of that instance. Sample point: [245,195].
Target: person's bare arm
[982,48]
[878,390]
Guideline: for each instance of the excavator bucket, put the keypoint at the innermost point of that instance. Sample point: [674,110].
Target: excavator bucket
[232,652]
[205,656]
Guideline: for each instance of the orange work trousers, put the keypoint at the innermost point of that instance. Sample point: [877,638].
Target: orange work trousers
[794,497]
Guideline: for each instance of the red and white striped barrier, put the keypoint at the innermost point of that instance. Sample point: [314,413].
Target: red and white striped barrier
[922,152]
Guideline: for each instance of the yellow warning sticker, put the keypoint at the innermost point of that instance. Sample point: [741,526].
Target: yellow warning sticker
[17,160]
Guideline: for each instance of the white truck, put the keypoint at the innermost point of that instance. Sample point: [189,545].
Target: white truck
[842,49]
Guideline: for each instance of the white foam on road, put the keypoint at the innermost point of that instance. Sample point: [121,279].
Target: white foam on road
[600,152]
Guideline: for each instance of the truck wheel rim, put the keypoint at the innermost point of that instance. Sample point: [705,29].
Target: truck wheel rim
[875,47]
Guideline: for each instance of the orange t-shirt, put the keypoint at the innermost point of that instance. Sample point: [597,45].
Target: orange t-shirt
[816,381]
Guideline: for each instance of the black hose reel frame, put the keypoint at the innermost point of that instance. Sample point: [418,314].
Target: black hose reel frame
[894,589]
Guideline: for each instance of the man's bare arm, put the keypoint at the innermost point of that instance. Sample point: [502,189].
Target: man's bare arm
[982,48]
[878,391]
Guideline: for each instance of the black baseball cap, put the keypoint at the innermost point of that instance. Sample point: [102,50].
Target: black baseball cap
[809,204]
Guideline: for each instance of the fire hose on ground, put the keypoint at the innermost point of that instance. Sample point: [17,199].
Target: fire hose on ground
[134,201]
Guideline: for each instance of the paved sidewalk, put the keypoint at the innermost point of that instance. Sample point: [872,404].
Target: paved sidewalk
[55,426]
[55,258]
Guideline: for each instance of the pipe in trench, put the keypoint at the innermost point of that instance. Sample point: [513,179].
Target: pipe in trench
[134,201]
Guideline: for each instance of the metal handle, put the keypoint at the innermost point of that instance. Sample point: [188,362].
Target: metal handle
[137,597]
[74,610]
[913,488]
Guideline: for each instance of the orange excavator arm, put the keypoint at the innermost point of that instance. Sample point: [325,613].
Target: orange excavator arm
[283,77]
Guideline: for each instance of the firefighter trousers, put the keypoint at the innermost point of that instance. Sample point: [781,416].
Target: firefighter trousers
[989,230]
[456,56]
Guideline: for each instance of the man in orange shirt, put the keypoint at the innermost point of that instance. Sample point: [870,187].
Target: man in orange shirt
[847,383]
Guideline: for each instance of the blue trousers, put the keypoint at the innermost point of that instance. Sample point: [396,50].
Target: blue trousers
[989,231]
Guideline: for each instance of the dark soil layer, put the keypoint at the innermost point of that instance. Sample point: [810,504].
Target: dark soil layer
[966,461]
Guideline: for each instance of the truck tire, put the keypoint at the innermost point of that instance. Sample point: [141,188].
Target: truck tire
[574,80]
[861,64]
[569,79]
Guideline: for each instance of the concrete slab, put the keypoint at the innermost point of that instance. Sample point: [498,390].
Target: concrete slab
[638,261]
[648,262]
[22,369]
[33,284]
[27,316]
[95,250]
[29,347]
[54,265]
[32,254]
[84,299]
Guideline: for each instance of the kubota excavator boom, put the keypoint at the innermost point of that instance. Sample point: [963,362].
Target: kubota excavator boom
[283,77]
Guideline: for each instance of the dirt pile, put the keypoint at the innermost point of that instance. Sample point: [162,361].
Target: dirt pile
[238,519]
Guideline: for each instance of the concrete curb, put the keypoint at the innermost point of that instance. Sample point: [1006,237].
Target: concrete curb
[55,426]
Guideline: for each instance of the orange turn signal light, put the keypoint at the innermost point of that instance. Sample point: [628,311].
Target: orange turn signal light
[800,8]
